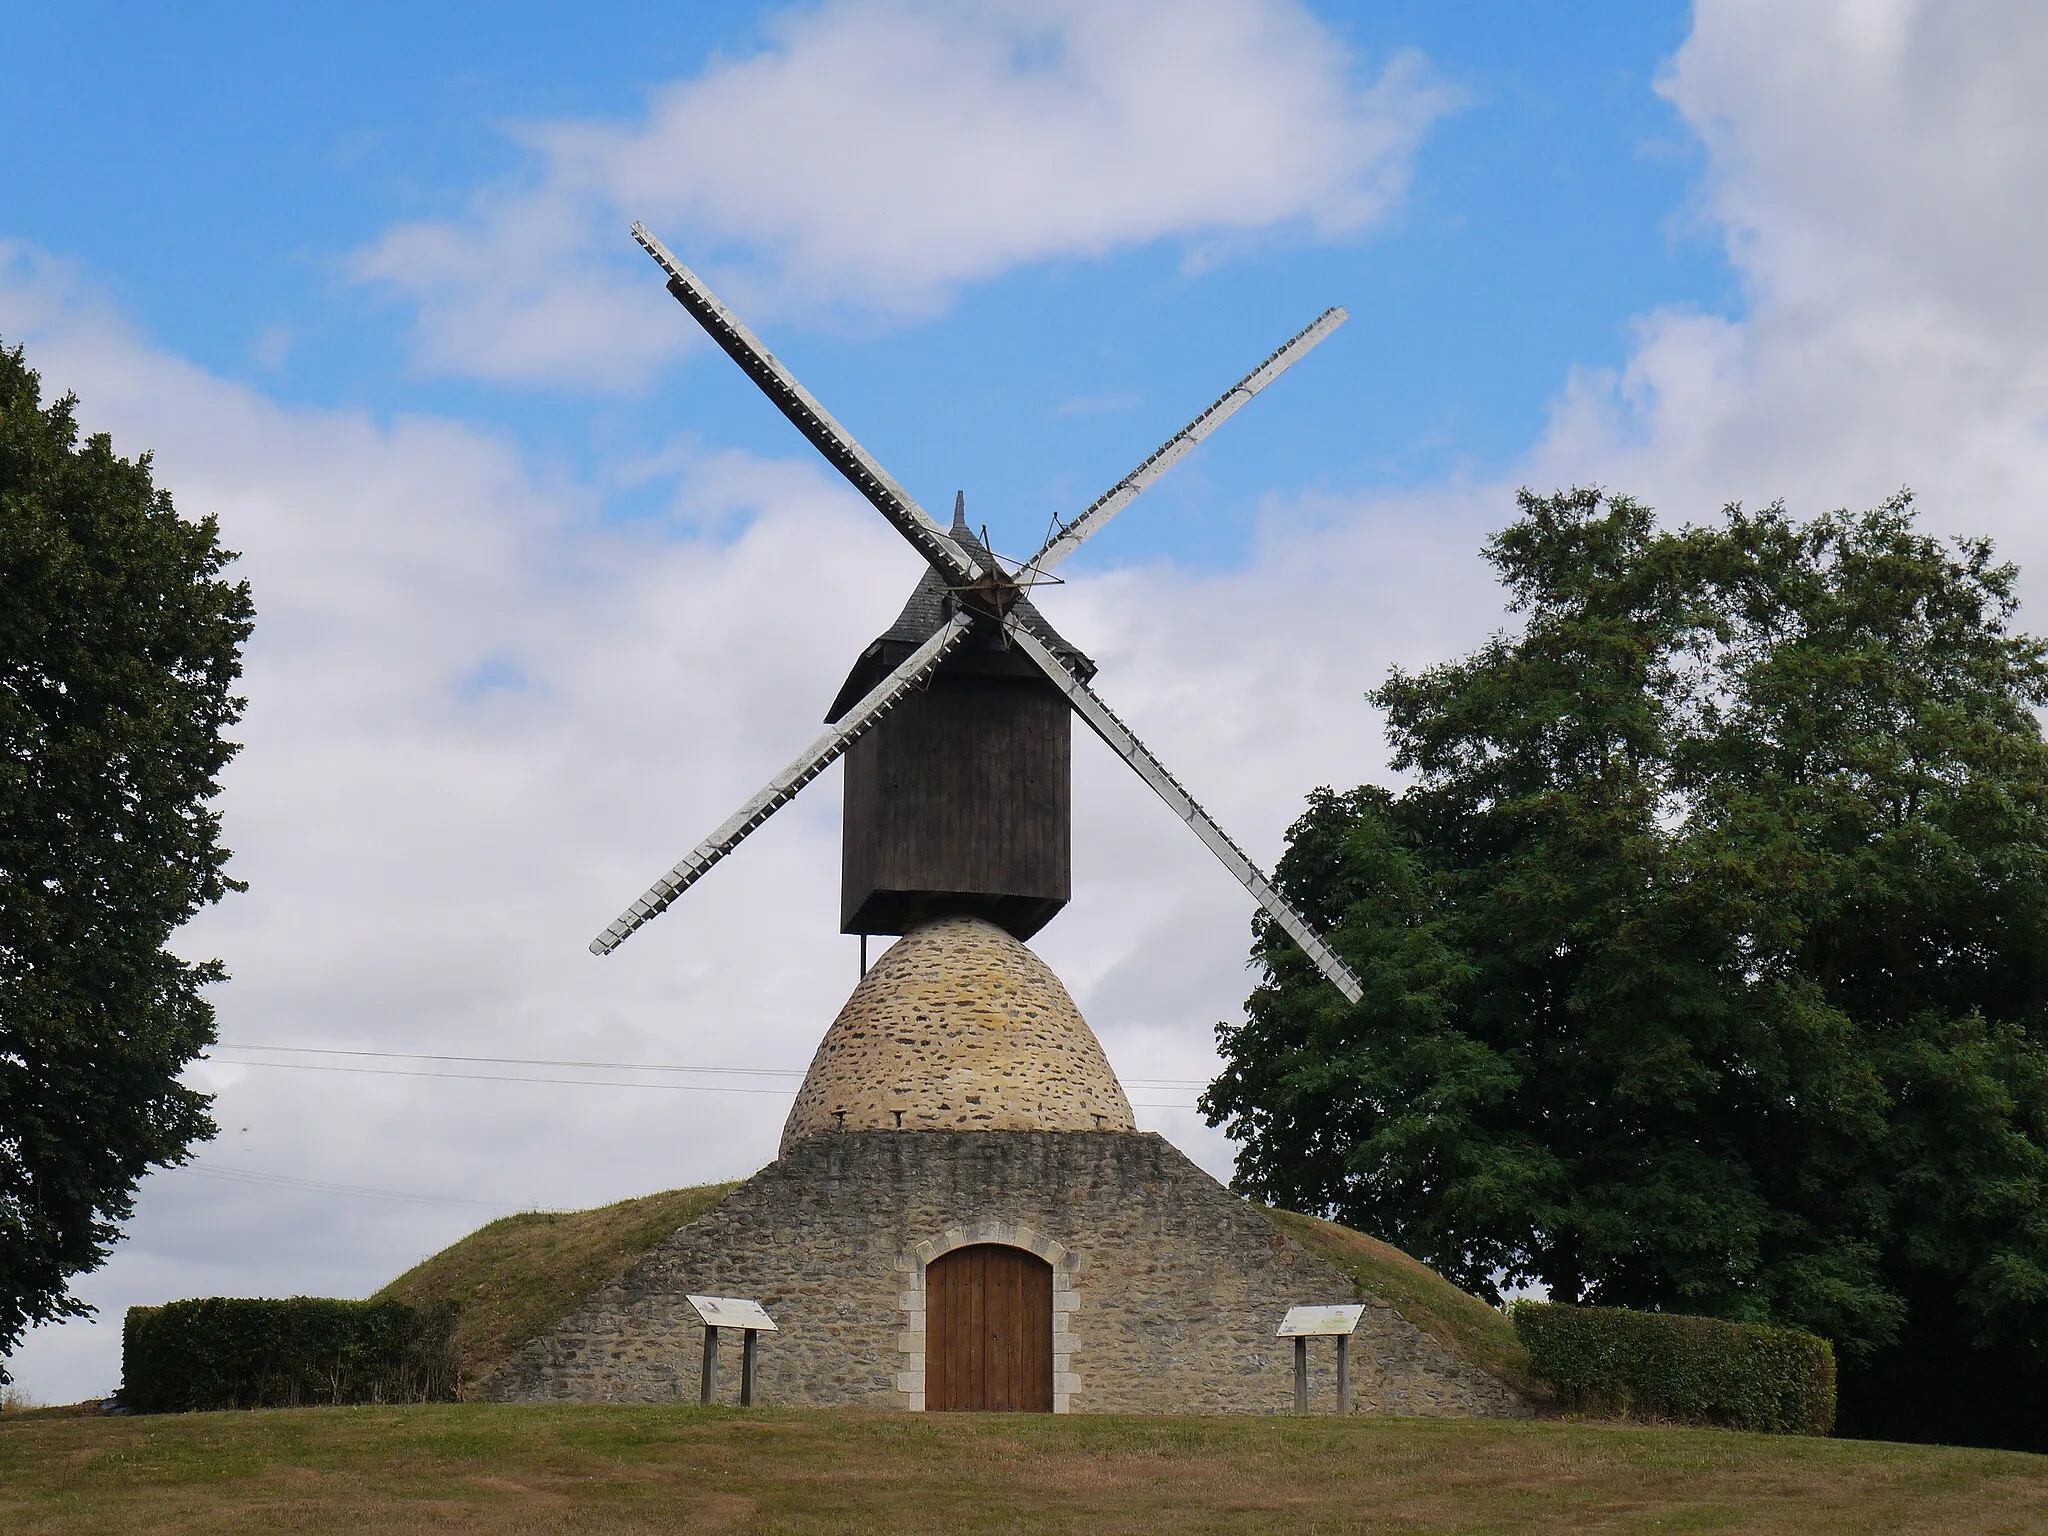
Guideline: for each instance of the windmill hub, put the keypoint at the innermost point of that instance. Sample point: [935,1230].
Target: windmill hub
[958,1027]
[992,594]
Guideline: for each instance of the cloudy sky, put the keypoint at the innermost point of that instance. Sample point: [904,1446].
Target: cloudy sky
[545,588]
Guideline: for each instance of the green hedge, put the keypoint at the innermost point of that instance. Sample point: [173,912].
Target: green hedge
[1697,1370]
[222,1353]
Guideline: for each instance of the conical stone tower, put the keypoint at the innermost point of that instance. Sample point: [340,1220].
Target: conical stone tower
[958,1027]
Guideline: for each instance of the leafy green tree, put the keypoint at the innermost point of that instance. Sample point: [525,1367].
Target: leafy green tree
[1705,954]
[119,648]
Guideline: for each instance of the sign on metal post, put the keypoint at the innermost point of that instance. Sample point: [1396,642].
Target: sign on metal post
[1304,1323]
[751,1319]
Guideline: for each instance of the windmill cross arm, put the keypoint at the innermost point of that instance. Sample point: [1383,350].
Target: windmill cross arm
[916,669]
[1070,536]
[1105,724]
[810,418]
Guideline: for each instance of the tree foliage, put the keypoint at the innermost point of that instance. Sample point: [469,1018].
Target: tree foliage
[119,649]
[1706,951]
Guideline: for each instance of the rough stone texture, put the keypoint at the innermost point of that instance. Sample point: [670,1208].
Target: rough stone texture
[1167,1288]
[958,1027]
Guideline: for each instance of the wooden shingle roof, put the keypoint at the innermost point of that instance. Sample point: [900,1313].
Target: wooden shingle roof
[931,604]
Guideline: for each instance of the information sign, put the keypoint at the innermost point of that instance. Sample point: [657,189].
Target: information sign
[732,1312]
[1315,1322]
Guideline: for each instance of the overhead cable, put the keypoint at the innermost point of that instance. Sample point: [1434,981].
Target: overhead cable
[553,1082]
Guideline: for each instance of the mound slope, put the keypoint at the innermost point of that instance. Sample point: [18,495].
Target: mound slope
[1466,1326]
[520,1274]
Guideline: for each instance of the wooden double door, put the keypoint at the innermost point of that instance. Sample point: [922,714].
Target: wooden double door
[988,1331]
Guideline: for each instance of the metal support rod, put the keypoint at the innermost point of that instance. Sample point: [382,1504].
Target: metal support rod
[1343,1373]
[747,1338]
[707,1385]
[863,954]
[1301,1375]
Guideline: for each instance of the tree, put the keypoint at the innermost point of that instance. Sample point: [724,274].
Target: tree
[119,647]
[1706,954]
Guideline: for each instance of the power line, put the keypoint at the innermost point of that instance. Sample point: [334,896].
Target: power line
[261,1179]
[512,1061]
[486,1077]
[549,1082]
[599,1066]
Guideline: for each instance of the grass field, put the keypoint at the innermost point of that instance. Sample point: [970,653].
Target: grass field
[480,1467]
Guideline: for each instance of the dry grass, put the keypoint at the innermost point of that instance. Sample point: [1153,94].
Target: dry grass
[483,1467]
[1459,1321]
[519,1274]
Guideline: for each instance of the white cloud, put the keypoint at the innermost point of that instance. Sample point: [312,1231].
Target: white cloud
[880,153]
[1876,169]
[1877,149]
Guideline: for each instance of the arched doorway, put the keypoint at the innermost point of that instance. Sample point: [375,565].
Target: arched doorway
[988,1331]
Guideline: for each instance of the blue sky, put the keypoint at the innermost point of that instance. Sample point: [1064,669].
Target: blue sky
[220,166]
[545,589]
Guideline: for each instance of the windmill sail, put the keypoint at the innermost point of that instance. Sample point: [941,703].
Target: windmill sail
[780,790]
[1070,536]
[954,764]
[1105,724]
[809,417]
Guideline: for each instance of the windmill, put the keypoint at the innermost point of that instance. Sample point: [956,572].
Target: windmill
[955,722]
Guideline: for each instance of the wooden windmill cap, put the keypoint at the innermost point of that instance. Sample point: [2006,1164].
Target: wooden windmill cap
[930,606]
[958,1027]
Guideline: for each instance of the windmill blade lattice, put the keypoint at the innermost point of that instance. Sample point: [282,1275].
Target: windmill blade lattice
[1070,536]
[780,790]
[1103,721]
[811,418]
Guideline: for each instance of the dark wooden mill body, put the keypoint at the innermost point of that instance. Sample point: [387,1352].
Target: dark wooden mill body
[960,799]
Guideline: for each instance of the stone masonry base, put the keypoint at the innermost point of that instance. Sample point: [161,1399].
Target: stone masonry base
[1166,1287]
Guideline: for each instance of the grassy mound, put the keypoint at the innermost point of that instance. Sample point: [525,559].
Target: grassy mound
[1461,1322]
[521,1273]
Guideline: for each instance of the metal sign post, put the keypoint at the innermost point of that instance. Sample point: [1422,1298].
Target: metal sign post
[717,1312]
[1304,1323]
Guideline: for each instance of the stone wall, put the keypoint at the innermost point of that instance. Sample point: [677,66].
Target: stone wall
[1167,1288]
